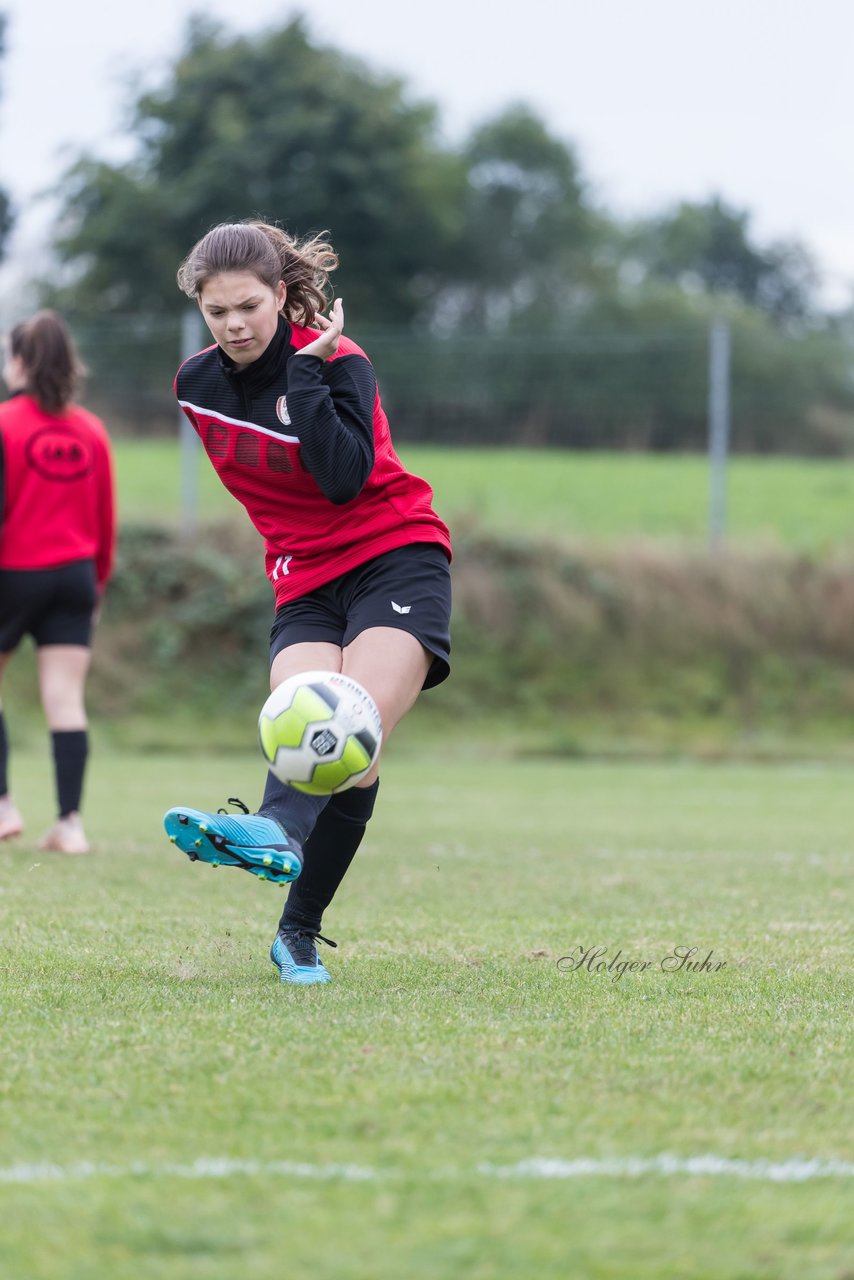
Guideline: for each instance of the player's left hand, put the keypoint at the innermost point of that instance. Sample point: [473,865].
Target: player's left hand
[327,344]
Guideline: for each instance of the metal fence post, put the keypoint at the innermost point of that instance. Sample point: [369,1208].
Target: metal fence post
[191,342]
[719,428]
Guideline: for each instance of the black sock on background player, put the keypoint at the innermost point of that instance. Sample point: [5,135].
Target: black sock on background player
[327,855]
[70,753]
[4,757]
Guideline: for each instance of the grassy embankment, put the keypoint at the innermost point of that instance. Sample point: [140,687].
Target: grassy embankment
[589,615]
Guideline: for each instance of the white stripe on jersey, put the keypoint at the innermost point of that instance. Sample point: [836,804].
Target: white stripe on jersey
[238,422]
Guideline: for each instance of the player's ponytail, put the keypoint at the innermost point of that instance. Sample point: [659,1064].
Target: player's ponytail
[272,255]
[52,367]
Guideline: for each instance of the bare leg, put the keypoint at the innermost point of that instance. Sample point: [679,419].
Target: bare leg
[308,656]
[392,665]
[11,822]
[63,669]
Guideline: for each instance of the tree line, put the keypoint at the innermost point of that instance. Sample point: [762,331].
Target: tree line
[498,299]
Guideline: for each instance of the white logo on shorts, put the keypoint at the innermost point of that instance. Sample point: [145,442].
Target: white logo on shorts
[400,608]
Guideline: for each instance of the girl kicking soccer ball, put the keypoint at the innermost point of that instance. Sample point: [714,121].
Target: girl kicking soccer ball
[289,414]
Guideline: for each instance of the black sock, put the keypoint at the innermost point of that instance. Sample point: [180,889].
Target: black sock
[70,751]
[4,757]
[296,811]
[327,855]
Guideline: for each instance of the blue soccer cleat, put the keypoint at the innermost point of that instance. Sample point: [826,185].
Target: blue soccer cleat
[294,953]
[255,844]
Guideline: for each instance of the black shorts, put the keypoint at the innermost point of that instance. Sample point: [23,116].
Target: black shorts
[54,606]
[408,588]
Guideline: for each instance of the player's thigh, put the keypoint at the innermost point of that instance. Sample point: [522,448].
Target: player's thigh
[392,665]
[305,655]
[63,669]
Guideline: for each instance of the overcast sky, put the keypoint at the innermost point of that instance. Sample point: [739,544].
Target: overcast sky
[664,100]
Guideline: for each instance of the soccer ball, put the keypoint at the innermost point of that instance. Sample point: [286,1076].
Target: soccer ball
[320,732]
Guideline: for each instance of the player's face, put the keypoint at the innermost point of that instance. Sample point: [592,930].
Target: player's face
[242,313]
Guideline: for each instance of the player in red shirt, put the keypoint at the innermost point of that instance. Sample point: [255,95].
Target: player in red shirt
[57,542]
[289,413]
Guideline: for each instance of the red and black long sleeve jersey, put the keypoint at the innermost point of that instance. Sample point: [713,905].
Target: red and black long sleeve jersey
[57,490]
[304,445]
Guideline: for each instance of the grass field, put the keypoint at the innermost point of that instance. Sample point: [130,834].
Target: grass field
[801,503]
[160,1089]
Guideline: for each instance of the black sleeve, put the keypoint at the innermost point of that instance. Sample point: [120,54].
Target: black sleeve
[331,408]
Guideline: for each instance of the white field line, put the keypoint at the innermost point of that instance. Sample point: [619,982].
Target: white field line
[542,1168]
[707,1166]
[215,1168]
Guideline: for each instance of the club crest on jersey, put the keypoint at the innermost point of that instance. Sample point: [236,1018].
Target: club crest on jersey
[58,453]
[282,411]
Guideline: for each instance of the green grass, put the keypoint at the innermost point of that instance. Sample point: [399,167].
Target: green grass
[801,503]
[144,1025]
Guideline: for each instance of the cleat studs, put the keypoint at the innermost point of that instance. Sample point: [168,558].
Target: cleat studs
[268,859]
[286,867]
[173,839]
[197,843]
[193,857]
[203,826]
[214,863]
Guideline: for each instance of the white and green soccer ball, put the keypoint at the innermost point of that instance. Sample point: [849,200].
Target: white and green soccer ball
[320,732]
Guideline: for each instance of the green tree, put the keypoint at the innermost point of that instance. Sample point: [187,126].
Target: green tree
[529,235]
[273,126]
[709,245]
[6,218]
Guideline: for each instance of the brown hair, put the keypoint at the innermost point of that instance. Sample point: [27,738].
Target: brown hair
[51,363]
[272,255]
